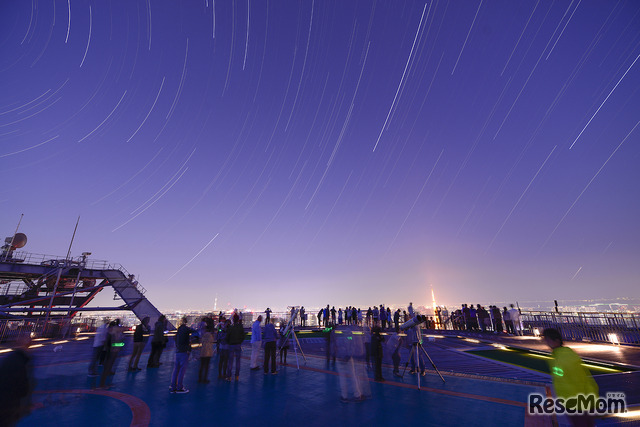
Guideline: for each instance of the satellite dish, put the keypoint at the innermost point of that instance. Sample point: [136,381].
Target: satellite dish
[19,240]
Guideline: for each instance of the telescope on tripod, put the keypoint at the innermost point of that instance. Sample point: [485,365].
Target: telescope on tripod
[288,331]
[414,321]
[413,327]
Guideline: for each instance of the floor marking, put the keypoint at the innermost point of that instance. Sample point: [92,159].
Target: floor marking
[139,409]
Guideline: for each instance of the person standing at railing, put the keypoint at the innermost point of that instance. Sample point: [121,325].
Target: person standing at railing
[514,315]
[497,319]
[506,316]
[466,317]
[396,320]
[483,318]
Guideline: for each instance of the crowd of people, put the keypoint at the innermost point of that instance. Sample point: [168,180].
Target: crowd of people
[491,319]
[211,335]
[224,336]
[381,316]
[355,342]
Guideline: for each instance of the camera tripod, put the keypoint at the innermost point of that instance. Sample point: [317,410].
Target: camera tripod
[288,332]
[416,348]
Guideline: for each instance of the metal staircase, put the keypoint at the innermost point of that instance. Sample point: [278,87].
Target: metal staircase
[132,294]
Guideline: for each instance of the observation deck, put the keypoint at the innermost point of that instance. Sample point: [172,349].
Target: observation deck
[478,390]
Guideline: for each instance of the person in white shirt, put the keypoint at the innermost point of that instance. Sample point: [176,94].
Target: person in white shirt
[256,342]
[514,315]
[98,346]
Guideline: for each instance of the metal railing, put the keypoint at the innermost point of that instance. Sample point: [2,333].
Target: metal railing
[11,329]
[14,289]
[56,261]
[623,328]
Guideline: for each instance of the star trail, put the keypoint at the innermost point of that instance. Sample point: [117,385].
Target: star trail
[313,152]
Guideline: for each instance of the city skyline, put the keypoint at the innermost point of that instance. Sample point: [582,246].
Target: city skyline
[273,153]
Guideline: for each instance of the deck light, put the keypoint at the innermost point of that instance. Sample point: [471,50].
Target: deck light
[630,414]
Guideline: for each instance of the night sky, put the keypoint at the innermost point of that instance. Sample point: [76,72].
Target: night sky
[343,152]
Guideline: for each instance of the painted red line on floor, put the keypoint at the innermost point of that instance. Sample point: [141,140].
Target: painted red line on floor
[139,409]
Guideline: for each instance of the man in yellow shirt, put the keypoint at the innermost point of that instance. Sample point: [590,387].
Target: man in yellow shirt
[570,378]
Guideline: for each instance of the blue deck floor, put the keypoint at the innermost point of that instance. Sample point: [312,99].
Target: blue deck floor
[308,396]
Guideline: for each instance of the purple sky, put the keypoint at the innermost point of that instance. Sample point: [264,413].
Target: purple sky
[301,152]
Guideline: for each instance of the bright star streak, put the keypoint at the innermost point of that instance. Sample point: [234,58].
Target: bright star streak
[194,257]
[588,184]
[402,79]
[605,100]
